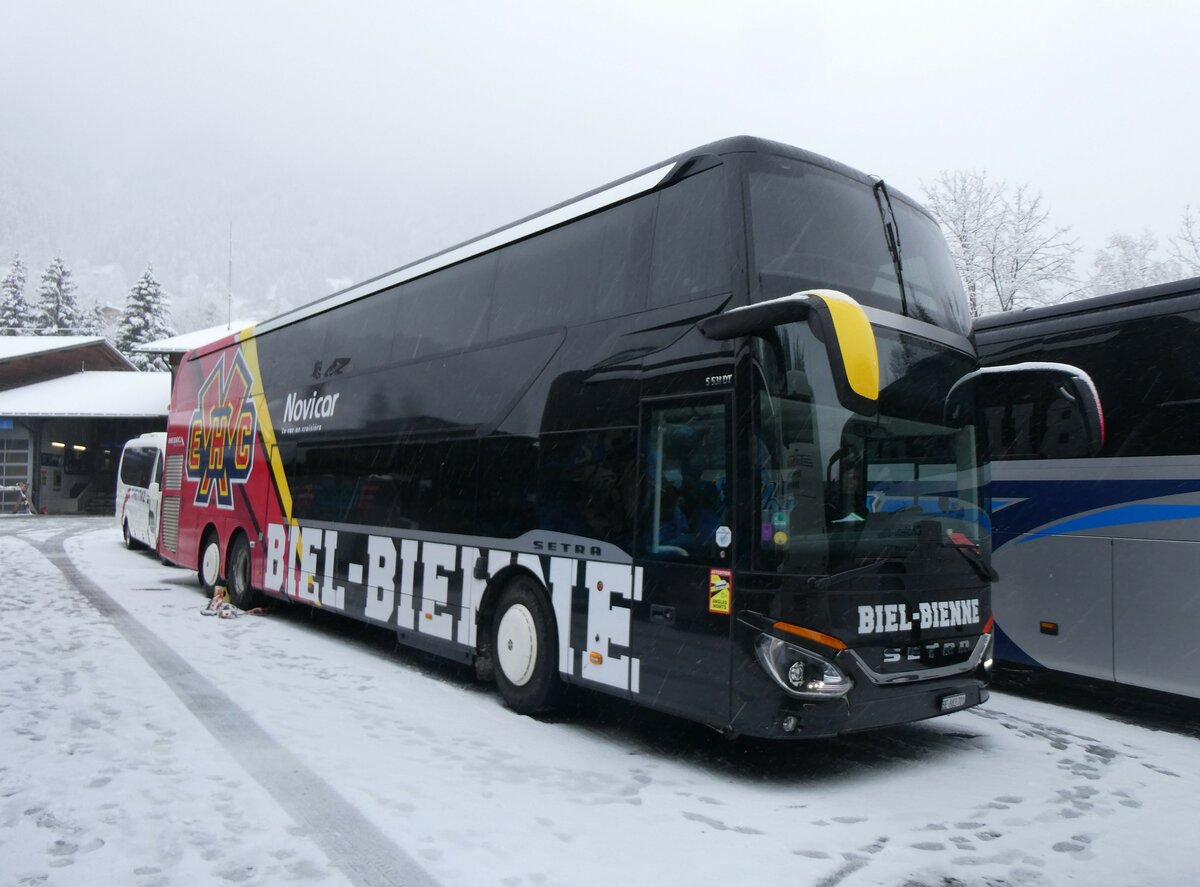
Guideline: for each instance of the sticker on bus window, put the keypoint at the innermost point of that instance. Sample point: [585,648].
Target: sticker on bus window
[720,591]
[724,537]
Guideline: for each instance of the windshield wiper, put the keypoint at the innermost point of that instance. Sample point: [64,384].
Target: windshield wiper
[872,567]
[975,559]
[891,231]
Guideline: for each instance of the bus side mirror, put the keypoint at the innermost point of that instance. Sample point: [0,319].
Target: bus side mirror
[836,319]
[1030,410]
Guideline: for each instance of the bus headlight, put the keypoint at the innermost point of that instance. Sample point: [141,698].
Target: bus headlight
[801,672]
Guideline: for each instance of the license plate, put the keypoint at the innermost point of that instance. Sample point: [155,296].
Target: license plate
[958,700]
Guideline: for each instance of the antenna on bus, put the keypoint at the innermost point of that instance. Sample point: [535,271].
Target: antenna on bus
[229,287]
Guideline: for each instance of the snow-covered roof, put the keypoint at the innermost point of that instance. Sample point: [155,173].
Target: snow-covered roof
[23,346]
[91,394]
[187,341]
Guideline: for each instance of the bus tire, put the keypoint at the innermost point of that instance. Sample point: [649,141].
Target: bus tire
[209,569]
[525,648]
[237,574]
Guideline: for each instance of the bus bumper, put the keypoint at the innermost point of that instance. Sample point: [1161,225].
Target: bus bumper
[766,713]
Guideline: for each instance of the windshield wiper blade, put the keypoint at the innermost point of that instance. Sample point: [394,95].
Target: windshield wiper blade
[872,567]
[891,232]
[975,559]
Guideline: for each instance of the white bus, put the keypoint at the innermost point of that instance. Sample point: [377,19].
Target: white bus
[139,489]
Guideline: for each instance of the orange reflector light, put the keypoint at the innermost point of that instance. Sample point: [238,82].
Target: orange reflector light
[595,658]
[987,626]
[1048,627]
[809,634]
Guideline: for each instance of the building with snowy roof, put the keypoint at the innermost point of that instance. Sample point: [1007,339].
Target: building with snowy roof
[67,405]
[174,347]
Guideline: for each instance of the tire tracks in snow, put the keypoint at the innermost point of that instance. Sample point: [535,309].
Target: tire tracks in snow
[355,845]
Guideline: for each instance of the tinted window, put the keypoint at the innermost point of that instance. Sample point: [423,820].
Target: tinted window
[691,240]
[1144,373]
[587,270]
[424,486]
[623,265]
[507,486]
[136,467]
[437,485]
[586,484]
[814,229]
[352,483]
[444,312]
[358,336]
[544,281]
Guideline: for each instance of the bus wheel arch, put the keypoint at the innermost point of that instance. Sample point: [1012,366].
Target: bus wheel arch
[522,637]
[208,561]
[238,572]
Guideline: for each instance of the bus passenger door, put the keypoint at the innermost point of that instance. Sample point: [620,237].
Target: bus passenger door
[681,626]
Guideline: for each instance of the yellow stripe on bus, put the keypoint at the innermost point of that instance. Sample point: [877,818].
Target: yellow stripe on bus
[250,351]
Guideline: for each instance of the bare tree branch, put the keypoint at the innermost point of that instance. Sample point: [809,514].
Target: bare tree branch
[1185,246]
[1005,249]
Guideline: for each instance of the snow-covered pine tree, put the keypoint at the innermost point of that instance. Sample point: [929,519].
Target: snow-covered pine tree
[145,320]
[56,312]
[14,310]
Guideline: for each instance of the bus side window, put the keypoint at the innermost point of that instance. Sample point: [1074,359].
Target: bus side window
[443,313]
[624,266]
[691,241]
[586,483]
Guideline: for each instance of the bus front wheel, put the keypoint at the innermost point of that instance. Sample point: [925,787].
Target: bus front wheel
[209,571]
[525,648]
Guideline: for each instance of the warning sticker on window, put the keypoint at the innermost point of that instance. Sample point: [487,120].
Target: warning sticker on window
[720,591]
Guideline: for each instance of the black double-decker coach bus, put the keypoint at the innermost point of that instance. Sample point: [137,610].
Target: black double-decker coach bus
[704,438]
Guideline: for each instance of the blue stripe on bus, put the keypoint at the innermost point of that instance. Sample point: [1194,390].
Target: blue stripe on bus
[1045,503]
[1122,515]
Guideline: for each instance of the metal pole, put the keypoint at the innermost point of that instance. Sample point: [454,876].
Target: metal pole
[229,290]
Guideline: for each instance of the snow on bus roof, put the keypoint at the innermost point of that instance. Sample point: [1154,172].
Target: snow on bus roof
[95,394]
[195,339]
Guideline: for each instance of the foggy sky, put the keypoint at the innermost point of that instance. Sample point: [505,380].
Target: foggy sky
[343,139]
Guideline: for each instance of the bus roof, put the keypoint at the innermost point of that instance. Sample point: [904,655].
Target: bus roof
[640,182]
[1146,301]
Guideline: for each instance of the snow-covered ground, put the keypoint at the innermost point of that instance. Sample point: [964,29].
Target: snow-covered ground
[143,743]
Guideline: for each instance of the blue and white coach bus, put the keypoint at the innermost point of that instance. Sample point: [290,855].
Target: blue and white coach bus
[1099,556]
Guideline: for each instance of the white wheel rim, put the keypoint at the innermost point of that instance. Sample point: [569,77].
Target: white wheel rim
[516,643]
[208,564]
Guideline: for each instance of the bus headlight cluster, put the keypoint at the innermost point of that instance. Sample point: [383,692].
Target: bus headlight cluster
[801,672]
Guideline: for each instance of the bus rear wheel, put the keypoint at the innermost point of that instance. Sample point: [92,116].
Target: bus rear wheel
[209,571]
[525,648]
[237,574]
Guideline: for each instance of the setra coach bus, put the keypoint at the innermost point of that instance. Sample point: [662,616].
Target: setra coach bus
[704,438]
[1098,551]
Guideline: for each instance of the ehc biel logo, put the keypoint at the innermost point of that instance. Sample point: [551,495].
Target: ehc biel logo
[220,448]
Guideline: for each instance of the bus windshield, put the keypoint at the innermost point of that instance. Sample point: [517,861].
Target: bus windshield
[838,489]
[813,228]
